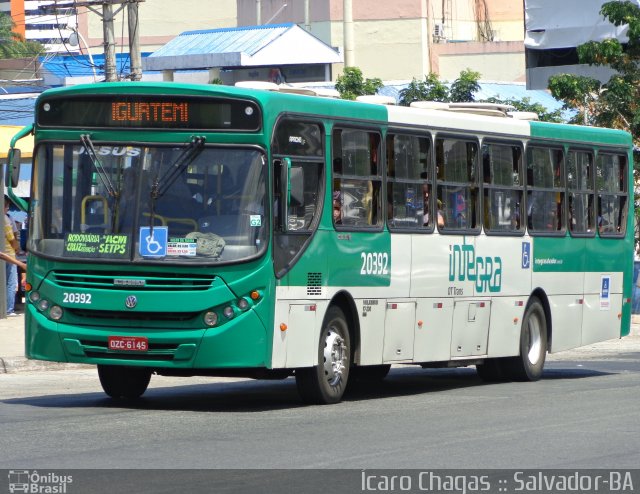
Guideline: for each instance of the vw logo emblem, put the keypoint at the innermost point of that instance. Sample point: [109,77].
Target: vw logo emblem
[131,301]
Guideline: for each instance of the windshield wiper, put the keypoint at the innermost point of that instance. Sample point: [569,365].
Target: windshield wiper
[102,174]
[160,185]
[190,153]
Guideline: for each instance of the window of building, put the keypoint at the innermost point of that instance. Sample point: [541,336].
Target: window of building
[503,188]
[409,183]
[357,179]
[545,190]
[458,198]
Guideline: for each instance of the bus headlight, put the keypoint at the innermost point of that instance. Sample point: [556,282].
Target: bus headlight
[210,318]
[43,304]
[243,304]
[228,312]
[55,313]
[34,297]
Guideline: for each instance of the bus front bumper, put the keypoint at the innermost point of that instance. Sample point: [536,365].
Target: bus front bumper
[240,343]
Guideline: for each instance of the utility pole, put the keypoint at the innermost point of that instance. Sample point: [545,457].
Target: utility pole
[134,40]
[108,16]
[110,73]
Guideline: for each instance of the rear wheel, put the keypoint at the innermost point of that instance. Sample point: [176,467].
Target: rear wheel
[528,366]
[124,382]
[326,382]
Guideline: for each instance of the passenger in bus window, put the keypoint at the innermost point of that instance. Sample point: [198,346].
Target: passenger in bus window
[337,207]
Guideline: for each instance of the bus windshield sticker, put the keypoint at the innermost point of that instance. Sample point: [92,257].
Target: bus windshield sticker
[182,247]
[153,243]
[255,220]
[605,289]
[96,245]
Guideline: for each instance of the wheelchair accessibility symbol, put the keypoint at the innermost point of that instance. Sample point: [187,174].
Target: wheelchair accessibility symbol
[526,255]
[153,243]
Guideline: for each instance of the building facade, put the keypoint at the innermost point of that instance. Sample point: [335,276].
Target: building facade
[36,21]
[391,40]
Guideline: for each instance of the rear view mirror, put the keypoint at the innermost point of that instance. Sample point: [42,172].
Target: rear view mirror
[13,168]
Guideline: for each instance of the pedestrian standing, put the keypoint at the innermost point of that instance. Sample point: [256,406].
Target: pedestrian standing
[11,248]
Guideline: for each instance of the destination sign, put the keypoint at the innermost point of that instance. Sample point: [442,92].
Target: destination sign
[96,245]
[148,112]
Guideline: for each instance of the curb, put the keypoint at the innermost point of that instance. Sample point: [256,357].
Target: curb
[12,365]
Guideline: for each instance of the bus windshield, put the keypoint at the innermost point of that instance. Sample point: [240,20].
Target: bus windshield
[188,203]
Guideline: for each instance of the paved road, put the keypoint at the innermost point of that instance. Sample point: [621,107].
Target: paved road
[583,414]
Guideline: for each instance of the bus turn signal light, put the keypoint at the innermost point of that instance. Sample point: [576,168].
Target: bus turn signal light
[283,327]
[255,295]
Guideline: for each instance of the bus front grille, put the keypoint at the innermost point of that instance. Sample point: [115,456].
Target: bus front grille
[110,315]
[126,281]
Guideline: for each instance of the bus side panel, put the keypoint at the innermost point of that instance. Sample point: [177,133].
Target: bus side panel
[504,274]
[565,294]
[602,307]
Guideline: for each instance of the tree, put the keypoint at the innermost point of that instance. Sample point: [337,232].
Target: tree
[525,105]
[615,103]
[12,44]
[351,84]
[465,86]
[431,89]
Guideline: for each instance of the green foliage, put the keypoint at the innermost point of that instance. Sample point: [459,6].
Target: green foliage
[12,45]
[351,84]
[431,89]
[525,104]
[616,103]
[465,86]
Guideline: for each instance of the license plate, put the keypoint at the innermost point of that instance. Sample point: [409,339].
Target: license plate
[128,343]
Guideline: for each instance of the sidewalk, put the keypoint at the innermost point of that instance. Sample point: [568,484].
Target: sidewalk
[12,357]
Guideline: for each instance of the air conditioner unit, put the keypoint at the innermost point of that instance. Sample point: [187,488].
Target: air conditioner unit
[438,30]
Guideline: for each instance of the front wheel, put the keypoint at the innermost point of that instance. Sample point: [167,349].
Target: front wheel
[528,366]
[124,382]
[326,382]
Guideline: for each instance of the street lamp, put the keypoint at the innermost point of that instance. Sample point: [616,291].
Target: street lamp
[74,39]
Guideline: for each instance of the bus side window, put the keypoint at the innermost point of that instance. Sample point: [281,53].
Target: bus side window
[612,195]
[503,187]
[457,188]
[545,190]
[357,178]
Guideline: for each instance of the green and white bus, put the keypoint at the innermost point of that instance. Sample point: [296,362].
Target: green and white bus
[209,230]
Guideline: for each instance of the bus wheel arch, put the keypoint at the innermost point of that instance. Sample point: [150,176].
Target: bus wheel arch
[528,365]
[345,302]
[541,295]
[327,381]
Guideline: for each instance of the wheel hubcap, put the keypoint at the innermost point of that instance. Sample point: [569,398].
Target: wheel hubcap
[535,339]
[335,357]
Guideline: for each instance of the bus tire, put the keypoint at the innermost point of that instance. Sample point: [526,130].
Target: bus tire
[528,366]
[371,372]
[326,382]
[124,382]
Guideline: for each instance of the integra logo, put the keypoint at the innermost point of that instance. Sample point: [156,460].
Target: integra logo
[486,272]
